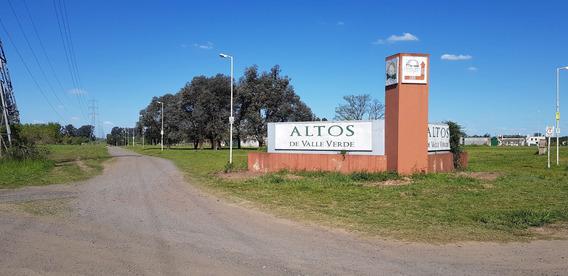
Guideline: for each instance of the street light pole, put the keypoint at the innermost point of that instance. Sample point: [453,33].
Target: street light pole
[141,129]
[558,113]
[162,132]
[231,117]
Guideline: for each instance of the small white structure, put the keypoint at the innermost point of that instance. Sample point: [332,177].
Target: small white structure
[479,141]
[250,143]
[534,140]
[512,141]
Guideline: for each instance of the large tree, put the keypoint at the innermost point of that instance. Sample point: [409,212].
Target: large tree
[207,104]
[268,98]
[86,131]
[151,120]
[376,110]
[355,107]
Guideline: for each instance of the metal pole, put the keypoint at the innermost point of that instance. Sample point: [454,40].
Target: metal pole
[557,116]
[549,152]
[231,119]
[133,137]
[162,132]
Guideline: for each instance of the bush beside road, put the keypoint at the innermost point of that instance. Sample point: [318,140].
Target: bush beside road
[506,195]
[63,164]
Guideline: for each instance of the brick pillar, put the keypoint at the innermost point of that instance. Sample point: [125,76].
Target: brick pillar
[406,115]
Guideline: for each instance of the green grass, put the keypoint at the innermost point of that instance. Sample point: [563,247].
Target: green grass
[433,208]
[64,164]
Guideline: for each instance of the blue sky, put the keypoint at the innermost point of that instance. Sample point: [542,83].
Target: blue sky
[129,51]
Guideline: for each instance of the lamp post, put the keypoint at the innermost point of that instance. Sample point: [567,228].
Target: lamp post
[231,118]
[141,129]
[162,132]
[558,113]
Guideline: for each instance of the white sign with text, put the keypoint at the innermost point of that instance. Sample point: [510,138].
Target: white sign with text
[357,137]
[324,136]
[438,137]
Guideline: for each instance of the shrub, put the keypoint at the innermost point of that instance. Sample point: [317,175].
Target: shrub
[26,152]
[456,149]
[24,148]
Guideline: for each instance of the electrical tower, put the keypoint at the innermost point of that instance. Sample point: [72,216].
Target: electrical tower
[9,111]
[94,112]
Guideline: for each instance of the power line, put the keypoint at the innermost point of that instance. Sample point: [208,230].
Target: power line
[78,93]
[44,51]
[33,53]
[28,69]
[70,44]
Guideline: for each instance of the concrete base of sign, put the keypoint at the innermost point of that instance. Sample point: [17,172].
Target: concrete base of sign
[273,162]
[444,161]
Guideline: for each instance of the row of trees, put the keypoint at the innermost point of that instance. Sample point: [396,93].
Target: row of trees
[54,133]
[119,136]
[199,112]
[25,139]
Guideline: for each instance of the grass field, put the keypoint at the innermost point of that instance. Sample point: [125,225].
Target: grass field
[503,196]
[65,163]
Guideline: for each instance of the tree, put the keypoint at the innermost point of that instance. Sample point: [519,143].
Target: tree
[86,131]
[268,98]
[354,108]
[199,112]
[248,101]
[194,114]
[376,110]
[456,134]
[69,130]
[357,107]
[49,133]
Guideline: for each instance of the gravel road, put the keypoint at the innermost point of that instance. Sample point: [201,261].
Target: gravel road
[141,218]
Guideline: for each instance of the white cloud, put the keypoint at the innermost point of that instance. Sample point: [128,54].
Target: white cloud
[472,68]
[38,122]
[397,38]
[108,123]
[77,91]
[452,57]
[205,46]
[75,118]
[340,23]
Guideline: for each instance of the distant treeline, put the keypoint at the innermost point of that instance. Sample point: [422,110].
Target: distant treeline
[199,112]
[53,133]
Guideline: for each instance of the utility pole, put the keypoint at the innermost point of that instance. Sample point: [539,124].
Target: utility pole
[10,114]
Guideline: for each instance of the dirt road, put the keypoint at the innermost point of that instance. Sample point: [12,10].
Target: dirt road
[141,218]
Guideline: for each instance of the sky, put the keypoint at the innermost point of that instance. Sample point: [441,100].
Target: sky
[492,70]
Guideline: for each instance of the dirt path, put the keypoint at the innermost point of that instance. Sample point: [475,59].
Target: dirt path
[141,218]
